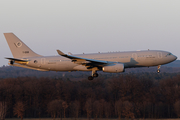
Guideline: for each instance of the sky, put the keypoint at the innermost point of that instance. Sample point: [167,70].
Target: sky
[91,26]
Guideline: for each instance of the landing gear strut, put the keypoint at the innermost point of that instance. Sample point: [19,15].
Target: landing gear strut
[158,71]
[94,74]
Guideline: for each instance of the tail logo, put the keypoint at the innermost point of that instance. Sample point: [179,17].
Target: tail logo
[18,44]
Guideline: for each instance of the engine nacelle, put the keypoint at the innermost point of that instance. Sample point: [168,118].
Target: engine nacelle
[114,68]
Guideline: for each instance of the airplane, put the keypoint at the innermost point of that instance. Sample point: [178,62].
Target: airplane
[112,62]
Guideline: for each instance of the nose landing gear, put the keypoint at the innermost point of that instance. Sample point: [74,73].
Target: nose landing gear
[158,71]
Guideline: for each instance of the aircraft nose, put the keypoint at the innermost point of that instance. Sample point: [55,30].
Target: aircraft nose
[175,57]
[172,58]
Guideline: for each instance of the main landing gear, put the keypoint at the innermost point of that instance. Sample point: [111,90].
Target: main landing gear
[94,74]
[158,71]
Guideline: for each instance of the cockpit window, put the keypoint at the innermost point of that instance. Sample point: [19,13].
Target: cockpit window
[169,54]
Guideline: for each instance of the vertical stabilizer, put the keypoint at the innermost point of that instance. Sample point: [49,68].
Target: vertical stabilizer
[18,48]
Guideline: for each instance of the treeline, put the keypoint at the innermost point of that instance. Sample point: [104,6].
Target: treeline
[14,72]
[130,95]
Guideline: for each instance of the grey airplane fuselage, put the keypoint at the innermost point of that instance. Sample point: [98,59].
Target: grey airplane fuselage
[129,59]
[112,62]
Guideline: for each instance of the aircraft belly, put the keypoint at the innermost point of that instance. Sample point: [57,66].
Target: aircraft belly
[81,68]
[150,62]
[64,66]
[143,62]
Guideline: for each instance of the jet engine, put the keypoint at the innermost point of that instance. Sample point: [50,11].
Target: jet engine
[114,68]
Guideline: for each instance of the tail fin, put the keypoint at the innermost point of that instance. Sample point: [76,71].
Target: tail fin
[18,48]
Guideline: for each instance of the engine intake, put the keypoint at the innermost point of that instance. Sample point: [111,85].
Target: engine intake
[114,68]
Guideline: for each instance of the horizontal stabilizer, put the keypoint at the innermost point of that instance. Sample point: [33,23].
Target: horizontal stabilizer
[14,59]
[19,61]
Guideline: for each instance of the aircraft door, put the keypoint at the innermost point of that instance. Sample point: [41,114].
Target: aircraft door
[43,60]
[159,55]
[134,56]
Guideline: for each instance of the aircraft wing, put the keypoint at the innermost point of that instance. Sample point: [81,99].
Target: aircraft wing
[89,63]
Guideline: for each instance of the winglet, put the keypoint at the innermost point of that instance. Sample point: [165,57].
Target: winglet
[61,53]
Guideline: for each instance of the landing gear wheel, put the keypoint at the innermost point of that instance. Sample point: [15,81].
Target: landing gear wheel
[158,71]
[90,78]
[95,75]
